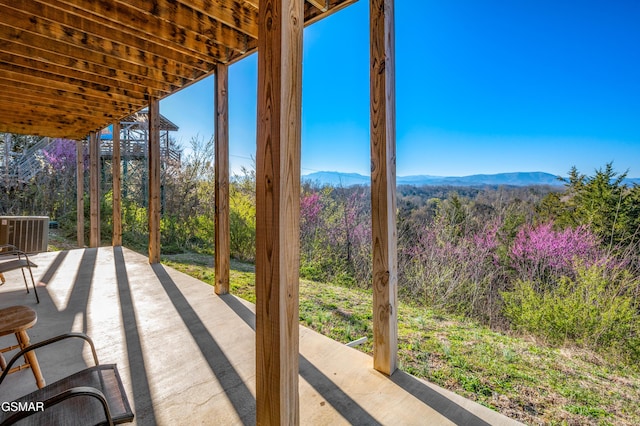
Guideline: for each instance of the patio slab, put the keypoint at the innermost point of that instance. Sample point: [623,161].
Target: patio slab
[187,356]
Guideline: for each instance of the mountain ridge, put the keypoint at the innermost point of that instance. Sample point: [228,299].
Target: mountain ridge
[332,178]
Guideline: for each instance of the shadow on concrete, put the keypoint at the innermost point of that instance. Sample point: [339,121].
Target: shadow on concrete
[435,400]
[48,276]
[240,309]
[79,297]
[339,400]
[53,267]
[336,397]
[138,371]
[49,273]
[236,390]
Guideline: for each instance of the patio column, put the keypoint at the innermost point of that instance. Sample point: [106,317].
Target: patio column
[280,26]
[80,192]
[7,151]
[154,181]
[383,187]
[94,189]
[117,187]
[222,228]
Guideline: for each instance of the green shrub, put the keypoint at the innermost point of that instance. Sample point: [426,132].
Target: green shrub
[594,310]
[344,279]
[311,272]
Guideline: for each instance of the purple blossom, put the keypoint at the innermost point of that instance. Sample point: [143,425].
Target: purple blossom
[61,154]
[538,252]
[310,208]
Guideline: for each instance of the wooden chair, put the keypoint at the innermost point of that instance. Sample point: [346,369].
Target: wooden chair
[92,396]
[11,258]
[17,320]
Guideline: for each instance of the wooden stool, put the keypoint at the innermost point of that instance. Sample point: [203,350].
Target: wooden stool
[16,320]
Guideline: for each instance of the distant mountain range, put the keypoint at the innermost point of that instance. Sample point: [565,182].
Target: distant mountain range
[513,179]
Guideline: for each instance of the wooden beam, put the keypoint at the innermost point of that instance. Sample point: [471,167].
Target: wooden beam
[7,150]
[32,115]
[42,107]
[80,192]
[156,69]
[66,125]
[278,210]
[117,187]
[383,187]
[38,66]
[46,60]
[68,93]
[104,110]
[104,93]
[94,189]
[73,25]
[45,108]
[154,181]
[222,228]
[313,14]
[56,35]
[229,12]
[322,5]
[185,29]
[44,130]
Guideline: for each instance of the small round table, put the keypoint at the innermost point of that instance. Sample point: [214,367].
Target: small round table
[16,320]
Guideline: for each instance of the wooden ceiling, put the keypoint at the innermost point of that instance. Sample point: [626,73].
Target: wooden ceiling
[69,67]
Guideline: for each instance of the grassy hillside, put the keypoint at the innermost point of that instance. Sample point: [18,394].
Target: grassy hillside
[516,376]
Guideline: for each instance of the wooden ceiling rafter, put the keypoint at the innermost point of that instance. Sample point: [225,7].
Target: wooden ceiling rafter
[89,32]
[18,89]
[44,59]
[78,65]
[252,3]
[70,84]
[60,121]
[43,109]
[53,106]
[56,72]
[187,32]
[322,5]
[79,43]
[68,50]
[230,12]
[97,93]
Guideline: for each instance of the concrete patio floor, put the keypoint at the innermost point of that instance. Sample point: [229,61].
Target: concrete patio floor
[187,356]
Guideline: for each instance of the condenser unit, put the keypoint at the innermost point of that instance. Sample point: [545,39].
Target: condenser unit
[28,233]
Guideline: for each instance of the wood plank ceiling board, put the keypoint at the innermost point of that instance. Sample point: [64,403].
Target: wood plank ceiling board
[70,67]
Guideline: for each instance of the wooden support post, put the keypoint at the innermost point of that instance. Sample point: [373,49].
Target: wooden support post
[117,187]
[383,187]
[80,192]
[94,189]
[222,228]
[7,151]
[280,25]
[154,181]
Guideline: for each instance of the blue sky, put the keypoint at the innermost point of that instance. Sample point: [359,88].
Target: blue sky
[482,87]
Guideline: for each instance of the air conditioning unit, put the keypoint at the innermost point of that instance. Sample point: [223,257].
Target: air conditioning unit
[28,233]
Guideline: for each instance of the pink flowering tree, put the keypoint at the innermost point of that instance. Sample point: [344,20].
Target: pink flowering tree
[60,155]
[460,274]
[335,233]
[542,254]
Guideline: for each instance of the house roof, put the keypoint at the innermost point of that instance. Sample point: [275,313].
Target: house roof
[140,121]
[69,67]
